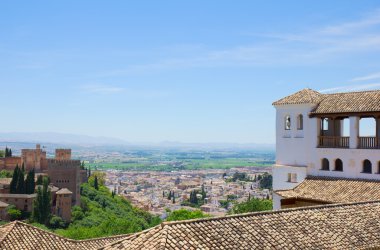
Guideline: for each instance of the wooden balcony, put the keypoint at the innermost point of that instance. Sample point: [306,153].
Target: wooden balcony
[369,142]
[334,141]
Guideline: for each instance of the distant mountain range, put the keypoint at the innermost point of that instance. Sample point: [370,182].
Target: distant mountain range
[84,140]
[59,138]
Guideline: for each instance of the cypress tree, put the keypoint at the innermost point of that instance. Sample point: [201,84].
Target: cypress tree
[96,185]
[42,203]
[173,199]
[13,185]
[20,189]
[29,182]
[10,153]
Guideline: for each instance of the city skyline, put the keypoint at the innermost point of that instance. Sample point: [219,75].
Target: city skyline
[188,72]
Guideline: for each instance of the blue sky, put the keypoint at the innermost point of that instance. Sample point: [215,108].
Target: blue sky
[194,71]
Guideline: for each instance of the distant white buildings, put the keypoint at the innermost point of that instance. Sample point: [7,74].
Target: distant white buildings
[319,135]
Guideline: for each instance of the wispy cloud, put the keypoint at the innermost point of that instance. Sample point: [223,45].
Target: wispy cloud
[321,45]
[350,88]
[102,89]
[367,77]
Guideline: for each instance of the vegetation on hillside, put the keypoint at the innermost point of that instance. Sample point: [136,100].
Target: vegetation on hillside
[252,205]
[184,214]
[100,215]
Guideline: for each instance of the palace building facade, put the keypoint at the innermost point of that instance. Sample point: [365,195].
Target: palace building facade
[321,137]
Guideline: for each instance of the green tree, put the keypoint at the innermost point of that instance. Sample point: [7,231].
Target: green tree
[173,199]
[15,177]
[20,189]
[13,213]
[29,182]
[253,205]
[42,204]
[203,192]
[96,185]
[266,181]
[82,165]
[184,214]
[6,174]
[56,222]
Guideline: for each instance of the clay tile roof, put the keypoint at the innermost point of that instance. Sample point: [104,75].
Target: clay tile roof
[301,97]
[343,226]
[64,191]
[350,102]
[334,190]
[19,235]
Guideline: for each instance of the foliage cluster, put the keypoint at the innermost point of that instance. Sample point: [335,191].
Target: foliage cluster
[184,214]
[100,214]
[20,185]
[252,205]
[266,181]
[6,174]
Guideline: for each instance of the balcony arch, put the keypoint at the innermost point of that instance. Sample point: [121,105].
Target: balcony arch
[367,166]
[325,164]
[339,165]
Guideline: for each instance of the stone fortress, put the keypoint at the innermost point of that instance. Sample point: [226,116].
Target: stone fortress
[65,176]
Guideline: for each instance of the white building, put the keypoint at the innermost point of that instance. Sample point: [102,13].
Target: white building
[320,135]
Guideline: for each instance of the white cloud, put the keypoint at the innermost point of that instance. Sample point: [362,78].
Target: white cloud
[367,77]
[350,88]
[321,45]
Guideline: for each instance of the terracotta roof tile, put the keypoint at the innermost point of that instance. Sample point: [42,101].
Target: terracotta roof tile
[334,190]
[349,226]
[301,97]
[19,235]
[350,102]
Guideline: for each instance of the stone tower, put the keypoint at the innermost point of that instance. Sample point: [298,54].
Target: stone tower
[62,154]
[63,204]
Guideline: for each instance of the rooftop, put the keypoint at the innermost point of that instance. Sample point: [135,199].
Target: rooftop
[64,191]
[343,226]
[334,190]
[19,235]
[350,102]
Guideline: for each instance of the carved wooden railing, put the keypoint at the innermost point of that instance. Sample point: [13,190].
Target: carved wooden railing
[334,141]
[367,142]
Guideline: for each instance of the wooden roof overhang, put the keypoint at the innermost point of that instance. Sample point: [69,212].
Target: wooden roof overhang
[342,115]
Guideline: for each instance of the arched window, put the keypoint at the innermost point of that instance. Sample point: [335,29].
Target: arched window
[300,122]
[367,167]
[325,164]
[338,165]
[287,122]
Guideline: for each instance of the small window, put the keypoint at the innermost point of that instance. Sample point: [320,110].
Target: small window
[300,122]
[338,165]
[325,164]
[367,167]
[378,168]
[292,177]
[287,122]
